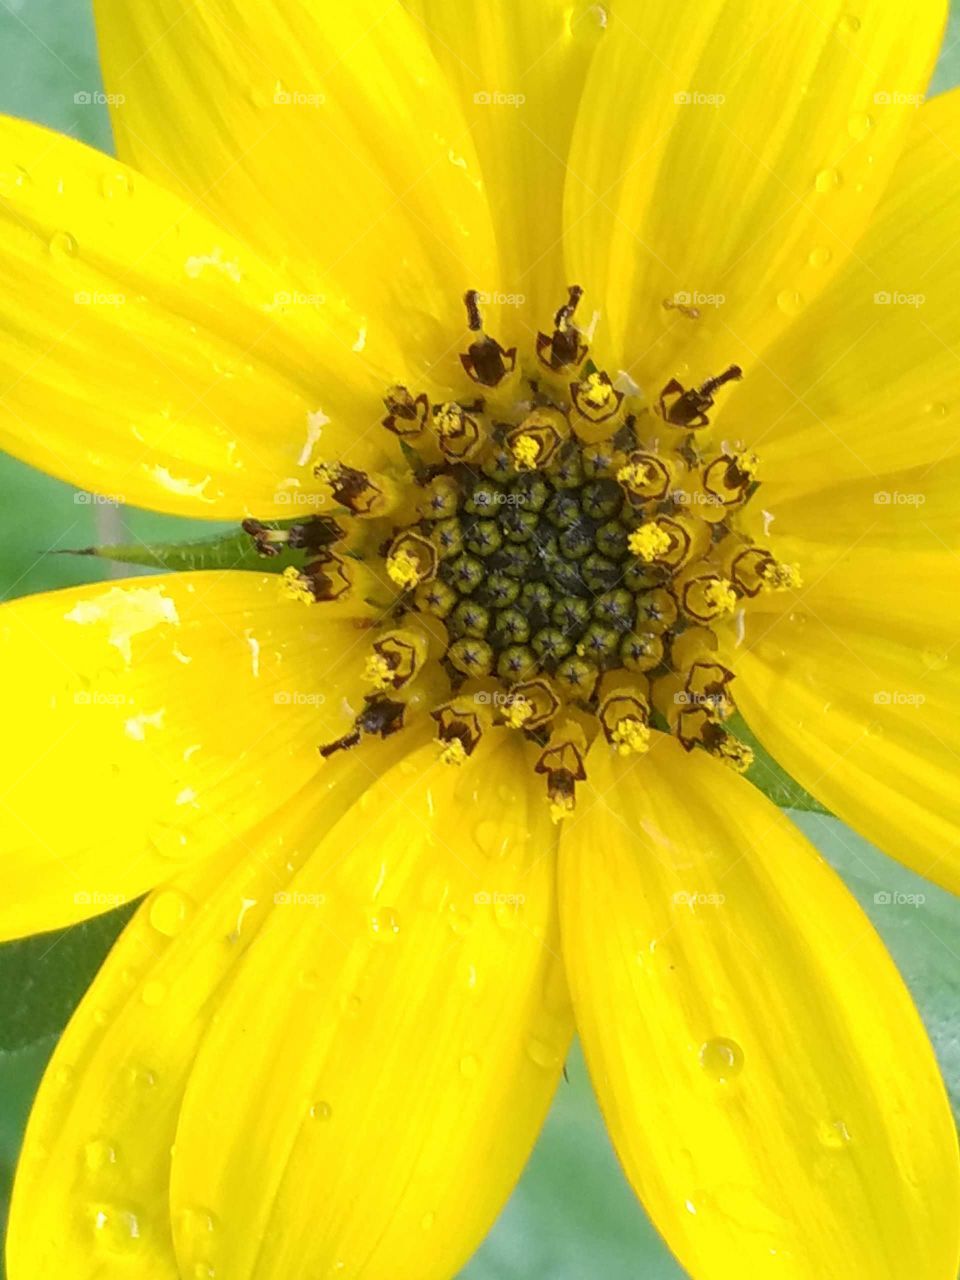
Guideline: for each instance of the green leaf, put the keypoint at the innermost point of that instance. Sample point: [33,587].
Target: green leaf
[233,550]
[43,978]
[770,777]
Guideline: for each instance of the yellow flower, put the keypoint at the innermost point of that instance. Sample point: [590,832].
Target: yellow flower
[327,1040]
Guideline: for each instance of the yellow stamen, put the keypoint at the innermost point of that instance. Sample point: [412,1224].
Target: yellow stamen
[781,577]
[649,541]
[561,808]
[720,595]
[630,736]
[294,586]
[735,753]
[635,475]
[517,712]
[403,569]
[452,752]
[378,672]
[596,391]
[526,451]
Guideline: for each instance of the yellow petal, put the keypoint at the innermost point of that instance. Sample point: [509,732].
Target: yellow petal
[389,1109]
[855,690]
[867,383]
[92,1187]
[519,71]
[153,719]
[323,132]
[766,1079]
[727,157]
[149,356]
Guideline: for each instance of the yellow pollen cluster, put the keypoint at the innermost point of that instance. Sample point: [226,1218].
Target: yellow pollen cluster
[781,577]
[561,808]
[736,754]
[596,391]
[635,474]
[720,595]
[630,737]
[517,712]
[447,419]
[748,463]
[294,586]
[378,671]
[403,569]
[649,541]
[453,752]
[525,450]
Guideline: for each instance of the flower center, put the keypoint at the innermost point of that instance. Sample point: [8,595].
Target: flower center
[551,554]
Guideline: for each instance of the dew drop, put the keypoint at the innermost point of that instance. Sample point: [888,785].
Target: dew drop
[935,660]
[116,1228]
[850,24]
[116,184]
[320,1111]
[721,1059]
[827,180]
[542,1054]
[167,912]
[469,1066]
[492,838]
[63,245]
[141,1077]
[790,301]
[351,1005]
[834,1134]
[858,126]
[819,257]
[506,913]
[385,925]
[98,1155]
[936,409]
[154,993]
[13,180]
[458,920]
[588,22]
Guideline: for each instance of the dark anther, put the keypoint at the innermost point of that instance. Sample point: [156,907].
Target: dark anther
[315,533]
[381,716]
[688,407]
[564,348]
[268,542]
[485,361]
[350,487]
[406,415]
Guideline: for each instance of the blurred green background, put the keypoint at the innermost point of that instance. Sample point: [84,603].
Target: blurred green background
[573,1215]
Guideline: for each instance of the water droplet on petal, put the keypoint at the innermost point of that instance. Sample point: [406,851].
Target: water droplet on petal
[936,409]
[167,912]
[469,1066]
[588,22]
[935,660]
[115,184]
[116,1228]
[99,1154]
[790,301]
[721,1059]
[385,925]
[320,1111]
[858,126]
[63,245]
[827,180]
[834,1134]
[849,24]
[543,1054]
[154,993]
[819,257]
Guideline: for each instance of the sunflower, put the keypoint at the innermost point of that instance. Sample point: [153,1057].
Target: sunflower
[587,369]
